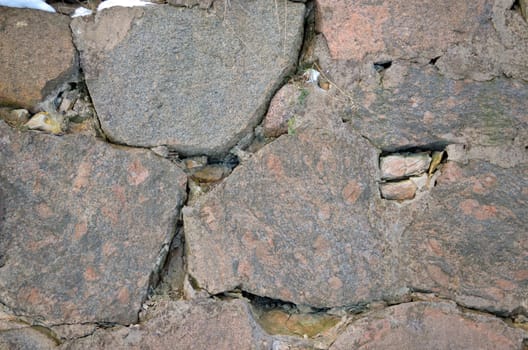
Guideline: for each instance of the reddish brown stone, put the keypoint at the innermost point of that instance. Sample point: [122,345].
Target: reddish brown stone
[290,223]
[83,225]
[428,325]
[36,55]
[204,324]
[282,108]
[303,221]
[471,244]
[409,29]
[400,190]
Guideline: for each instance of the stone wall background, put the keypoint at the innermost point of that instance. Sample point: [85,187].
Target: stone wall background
[267,174]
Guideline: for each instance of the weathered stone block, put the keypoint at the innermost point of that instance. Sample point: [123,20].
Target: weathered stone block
[194,80]
[397,166]
[83,224]
[429,325]
[401,190]
[37,56]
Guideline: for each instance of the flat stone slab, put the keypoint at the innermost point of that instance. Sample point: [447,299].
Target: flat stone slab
[83,224]
[194,80]
[416,106]
[471,244]
[202,324]
[411,85]
[478,40]
[429,325]
[291,224]
[36,55]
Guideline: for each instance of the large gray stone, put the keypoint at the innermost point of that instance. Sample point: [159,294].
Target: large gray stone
[429,325]
[193,80]
[37,56]
[82,227]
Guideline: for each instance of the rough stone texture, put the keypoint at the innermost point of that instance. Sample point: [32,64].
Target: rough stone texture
[303,221]
[424,108]
[25,339]
[472,243]
[461,34]
[281,109]
[400,190]
[83,225]
[36,55]
[290,222]
[204,324]
[193,80]
[397,29]
[495,49]
[397,166]
[426,325]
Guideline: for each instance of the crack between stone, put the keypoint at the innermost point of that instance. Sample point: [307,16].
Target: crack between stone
[29,321]
[355,312]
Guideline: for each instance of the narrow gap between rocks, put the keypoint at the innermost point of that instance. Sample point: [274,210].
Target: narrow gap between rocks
[516,6]
[433,60]
[278,317]
[382,65]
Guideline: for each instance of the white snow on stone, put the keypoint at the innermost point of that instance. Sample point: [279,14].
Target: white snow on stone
[311,76]
[80,11]
[124,3]
[29,4]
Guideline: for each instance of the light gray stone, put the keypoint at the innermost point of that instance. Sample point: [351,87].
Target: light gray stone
[194,80]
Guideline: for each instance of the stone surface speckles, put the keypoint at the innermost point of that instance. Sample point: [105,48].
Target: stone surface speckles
[36,55]
[290,224]
[427,325]
[195,80]
[204,324]
[472,244]
[83,226]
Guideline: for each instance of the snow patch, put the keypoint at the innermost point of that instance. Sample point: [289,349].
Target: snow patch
[81,11]
[28,4]
[123,3]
